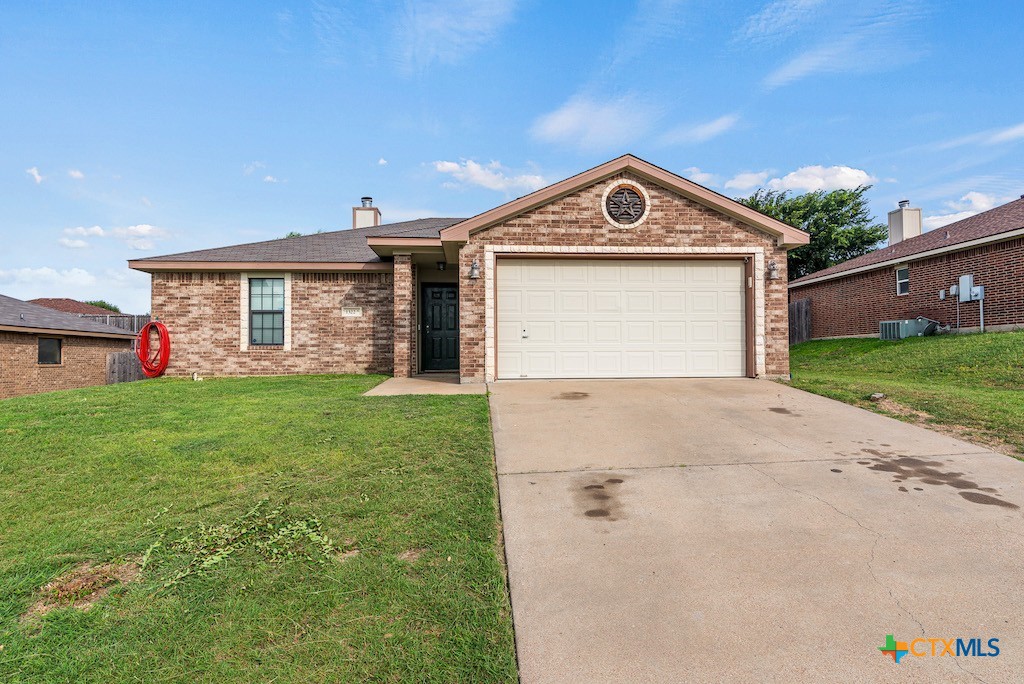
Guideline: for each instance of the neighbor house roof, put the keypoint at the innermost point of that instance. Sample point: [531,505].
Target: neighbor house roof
[995,224]
[19,316]
[71,306]
[340,248]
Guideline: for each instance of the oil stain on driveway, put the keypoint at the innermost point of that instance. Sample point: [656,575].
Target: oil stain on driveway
[740,530]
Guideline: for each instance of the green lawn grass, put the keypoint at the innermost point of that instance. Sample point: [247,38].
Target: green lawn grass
[389,567]
[972,385]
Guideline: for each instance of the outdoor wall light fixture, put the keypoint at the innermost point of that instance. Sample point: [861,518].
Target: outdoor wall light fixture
[474,270]
[773,270]
[441,265]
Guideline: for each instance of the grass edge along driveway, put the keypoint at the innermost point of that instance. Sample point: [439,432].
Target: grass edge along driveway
[276,529]
[968,386]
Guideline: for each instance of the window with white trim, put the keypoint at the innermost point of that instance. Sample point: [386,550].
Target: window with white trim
[266,311]
[903,280]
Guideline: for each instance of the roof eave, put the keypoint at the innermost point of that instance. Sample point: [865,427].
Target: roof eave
[389,246]
[788,237]
[147,266]
[999,237]
[66,332]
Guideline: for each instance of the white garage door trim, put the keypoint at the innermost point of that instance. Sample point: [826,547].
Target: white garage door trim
[491,252]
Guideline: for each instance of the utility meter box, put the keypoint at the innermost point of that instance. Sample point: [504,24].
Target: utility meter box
[966,285]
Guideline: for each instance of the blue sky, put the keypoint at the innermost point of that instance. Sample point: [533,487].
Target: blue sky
[136,129]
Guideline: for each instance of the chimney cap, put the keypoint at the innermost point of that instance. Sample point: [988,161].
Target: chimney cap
[366,201]
[904,204]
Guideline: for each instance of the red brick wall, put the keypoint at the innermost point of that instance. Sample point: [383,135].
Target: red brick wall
[84,363]
[577,220]
[203,314]
[855,304]
[405,315]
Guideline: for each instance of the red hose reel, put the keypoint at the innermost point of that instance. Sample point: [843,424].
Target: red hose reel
[154,359]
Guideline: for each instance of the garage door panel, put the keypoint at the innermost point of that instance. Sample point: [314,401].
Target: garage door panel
[539,332]
[574,364]
[639,332]
[573,274]
[540,301]
[574,333]
[620,318]
[606,332]
[671,332]
[639,302]
[671,301]
[573,302]
[606,301]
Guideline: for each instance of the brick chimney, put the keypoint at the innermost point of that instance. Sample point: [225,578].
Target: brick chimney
[365,215]
[904,223]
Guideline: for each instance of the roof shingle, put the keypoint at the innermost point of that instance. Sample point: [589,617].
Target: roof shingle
[335,246]
[1002,219]
[18,314]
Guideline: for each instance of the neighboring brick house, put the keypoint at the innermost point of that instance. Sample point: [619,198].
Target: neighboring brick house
[914,274]
[625,270]
[43,350]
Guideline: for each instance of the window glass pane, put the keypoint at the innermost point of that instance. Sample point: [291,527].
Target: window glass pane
[278,302]
[49,350]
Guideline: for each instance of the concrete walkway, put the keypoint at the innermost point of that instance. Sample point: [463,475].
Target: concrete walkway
[428,383]
[799,533]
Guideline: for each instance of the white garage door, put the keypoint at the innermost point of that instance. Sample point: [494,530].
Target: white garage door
[600,318]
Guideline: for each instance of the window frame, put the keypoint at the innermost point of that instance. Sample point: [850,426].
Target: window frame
[253,312]
[60,351]
[902,281]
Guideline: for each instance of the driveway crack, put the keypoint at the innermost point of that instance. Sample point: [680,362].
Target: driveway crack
[874,546]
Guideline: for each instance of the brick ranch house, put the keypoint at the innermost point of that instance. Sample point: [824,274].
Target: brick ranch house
[625,270]
[43,350]
[914,274]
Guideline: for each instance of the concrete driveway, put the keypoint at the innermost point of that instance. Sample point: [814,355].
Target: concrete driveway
[741,530]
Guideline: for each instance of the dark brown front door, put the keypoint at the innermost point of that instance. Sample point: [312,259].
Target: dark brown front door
[440,327]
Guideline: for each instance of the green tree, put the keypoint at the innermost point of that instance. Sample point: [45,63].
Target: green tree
[103,304]
[840,224]
[293,233]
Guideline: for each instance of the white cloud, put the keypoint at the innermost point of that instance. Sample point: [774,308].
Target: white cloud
[970,204]
[1007,135]
[748,180]
[777,20]
[69,279]
[446,31]
[36,176]
[270,179]
[93,231]
[252,167]
[701,132]
[811,178]
[382,162]
[995,136]
[698,176]
[491,176]
[141,237]
[591,124]
[76,174]
[860,38]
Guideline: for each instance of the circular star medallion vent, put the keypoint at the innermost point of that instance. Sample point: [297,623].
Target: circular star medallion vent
[625,204]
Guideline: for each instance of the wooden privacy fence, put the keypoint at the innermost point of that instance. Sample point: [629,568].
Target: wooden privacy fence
[123,367]
[122,321]
[799,321]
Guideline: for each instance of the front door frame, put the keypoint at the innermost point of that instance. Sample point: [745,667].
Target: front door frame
[422,325]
